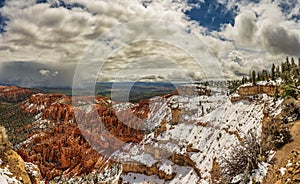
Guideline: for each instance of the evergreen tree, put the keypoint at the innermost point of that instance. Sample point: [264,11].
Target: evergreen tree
[288,65]
[276,93]
[282,67]
[277,72]
[273,72]
[253,77]
[264,75]
[243,80]
[293,63]
[258,77]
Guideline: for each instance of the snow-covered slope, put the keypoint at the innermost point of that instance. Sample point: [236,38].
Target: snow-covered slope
[184,133]
[197,139]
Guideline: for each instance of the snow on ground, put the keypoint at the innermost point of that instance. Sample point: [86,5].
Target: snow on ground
[211,132]
[6,177]
[264,83]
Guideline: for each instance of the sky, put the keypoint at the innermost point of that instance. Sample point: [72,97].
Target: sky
[57,43]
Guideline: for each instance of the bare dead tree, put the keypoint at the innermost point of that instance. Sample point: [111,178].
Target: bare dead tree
[243,160]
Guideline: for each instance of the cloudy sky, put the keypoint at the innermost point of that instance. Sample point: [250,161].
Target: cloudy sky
[48,42]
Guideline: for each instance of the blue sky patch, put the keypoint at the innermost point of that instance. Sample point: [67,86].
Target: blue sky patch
[61,3]
[2,19]
[287,7]
[211,14]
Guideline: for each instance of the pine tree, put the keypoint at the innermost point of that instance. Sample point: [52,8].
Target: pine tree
[273,72]
[264,75]
[243,80]
[293,63]
[288,65]
[253,77]
[258,77]
[277,72]
[282,67]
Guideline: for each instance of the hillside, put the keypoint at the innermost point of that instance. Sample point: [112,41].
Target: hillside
[188,137]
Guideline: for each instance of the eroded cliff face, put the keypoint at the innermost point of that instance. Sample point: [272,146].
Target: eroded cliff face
[247,92]
[256,89]
[143,169]
[13,169]
[77,137]
[73,137]
[14,94]
[290,174]
[61,150]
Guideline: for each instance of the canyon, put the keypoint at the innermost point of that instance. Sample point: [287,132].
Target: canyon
[169,139]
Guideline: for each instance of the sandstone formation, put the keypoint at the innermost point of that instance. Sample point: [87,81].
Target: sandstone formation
[184,160]
[216,173]
[16,166]
[12,165]
[161,129]
[256,89]
[237,98]
[75,135]
[190,90]
[14,94]
[62,150]
[244,92]
[143,169]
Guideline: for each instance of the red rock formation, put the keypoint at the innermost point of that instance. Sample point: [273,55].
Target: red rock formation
[101,125]
[15,94]
[184,160]
[143,169]
[61,150]
[256,89]
[77,134]
[194,90]
[237,98]
[244,92]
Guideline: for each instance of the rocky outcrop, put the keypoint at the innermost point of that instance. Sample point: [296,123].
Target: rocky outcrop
[59,113]
[14,164]
[161,129]
[256,89]
[143,169]
[14,94]
[216,173]
[286,166]
[190,148]
[234,133]
[40,102]
[114,128]
[62,150]
[33,172]
[70,146]
[176,116]
[190,90]
[246,91]
[237,98]
[184,160]
[290,174]
[12,167]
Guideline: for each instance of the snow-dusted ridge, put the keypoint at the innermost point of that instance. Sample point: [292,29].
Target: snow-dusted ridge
[212,133]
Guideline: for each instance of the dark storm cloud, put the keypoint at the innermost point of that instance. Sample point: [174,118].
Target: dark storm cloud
[30,74]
